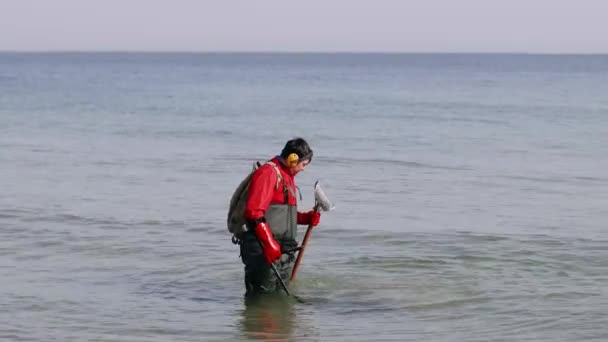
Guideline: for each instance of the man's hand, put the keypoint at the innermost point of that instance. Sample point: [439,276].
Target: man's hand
[312,218]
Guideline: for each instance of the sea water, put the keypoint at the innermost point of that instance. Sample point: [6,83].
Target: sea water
[471,195]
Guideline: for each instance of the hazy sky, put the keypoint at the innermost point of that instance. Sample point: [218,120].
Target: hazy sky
[551,26]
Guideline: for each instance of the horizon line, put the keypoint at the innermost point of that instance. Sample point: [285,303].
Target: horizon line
[287,52]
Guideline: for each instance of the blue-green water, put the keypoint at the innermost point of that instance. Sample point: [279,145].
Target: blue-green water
[471,195]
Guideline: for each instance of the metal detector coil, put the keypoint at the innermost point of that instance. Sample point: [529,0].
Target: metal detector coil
[322,202]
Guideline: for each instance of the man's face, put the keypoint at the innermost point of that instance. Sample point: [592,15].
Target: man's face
[300,167]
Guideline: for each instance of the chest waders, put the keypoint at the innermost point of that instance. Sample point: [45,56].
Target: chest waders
[282,220]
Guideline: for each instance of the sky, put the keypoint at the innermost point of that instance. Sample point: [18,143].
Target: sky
[518,26]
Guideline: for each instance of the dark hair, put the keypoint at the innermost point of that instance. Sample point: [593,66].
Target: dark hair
[298,146]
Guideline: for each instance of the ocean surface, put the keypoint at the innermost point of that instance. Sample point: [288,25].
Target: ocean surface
[471,195]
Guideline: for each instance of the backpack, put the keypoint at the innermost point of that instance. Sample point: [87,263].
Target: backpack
[236,211]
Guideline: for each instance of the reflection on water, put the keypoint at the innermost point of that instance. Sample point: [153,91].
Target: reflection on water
[268,317]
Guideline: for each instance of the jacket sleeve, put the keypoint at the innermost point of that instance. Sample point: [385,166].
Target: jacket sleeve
[303,218]
[261,191]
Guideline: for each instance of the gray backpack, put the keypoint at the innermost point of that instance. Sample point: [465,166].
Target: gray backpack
[236,212]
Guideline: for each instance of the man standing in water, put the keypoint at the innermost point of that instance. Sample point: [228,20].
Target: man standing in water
[272,218]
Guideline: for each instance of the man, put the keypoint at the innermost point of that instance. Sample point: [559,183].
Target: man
[272,218]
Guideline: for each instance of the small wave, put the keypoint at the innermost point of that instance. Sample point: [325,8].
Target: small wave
[482,237]
[17,213]
[41,150]
[111,163]
[556,179]
[72,219]
[531,324]
[534,179]
[48,243]
[111,223]
[474,258]
[367,309]
[448,303]
[200,229]
[4,78]
[590,179]
[223,133]
[571,295]
[386,263]
[402,163]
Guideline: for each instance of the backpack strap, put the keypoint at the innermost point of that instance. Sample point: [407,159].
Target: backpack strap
[280,177]
[279,180]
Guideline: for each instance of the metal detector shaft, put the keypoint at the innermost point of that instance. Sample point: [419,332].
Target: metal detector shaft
[283,285]
[302,247]
[274,269]
[278,275]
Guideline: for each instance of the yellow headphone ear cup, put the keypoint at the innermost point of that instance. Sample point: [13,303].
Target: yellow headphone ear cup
[292,160]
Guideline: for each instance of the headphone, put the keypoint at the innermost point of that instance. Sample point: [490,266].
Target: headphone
[292,160]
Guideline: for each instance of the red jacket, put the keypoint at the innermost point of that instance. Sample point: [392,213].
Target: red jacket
[263,190]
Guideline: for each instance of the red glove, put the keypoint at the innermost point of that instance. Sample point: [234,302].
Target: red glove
[272,250]
[312,217]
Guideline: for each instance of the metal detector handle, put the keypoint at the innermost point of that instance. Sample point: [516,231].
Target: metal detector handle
[303,246]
